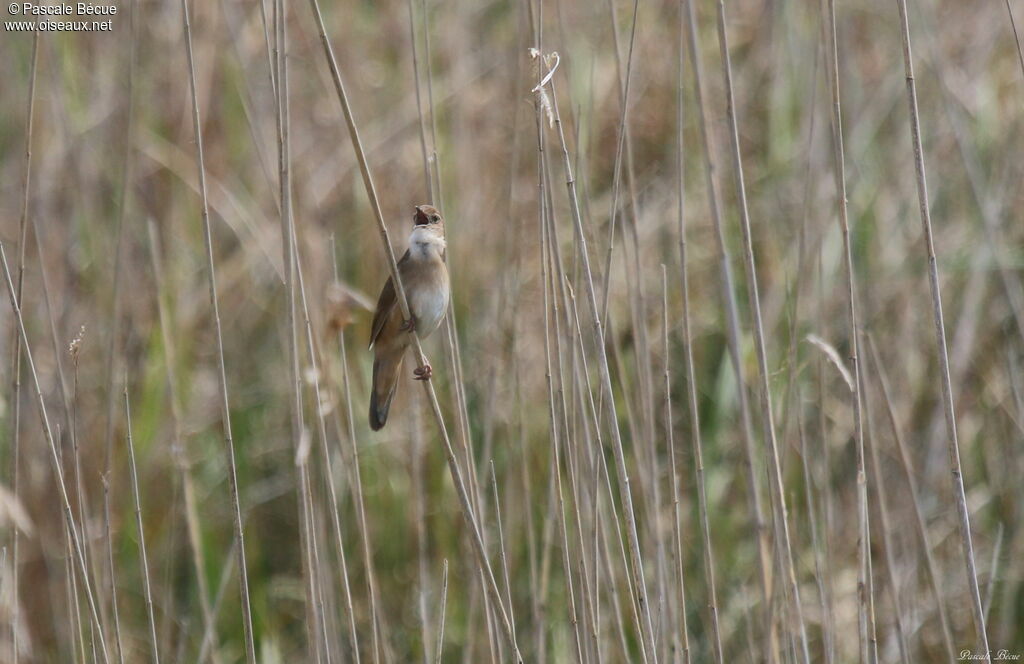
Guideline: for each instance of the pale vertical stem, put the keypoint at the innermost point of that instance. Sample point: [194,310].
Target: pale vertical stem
[886,525]
[698,446]
[553,432]
[356,486]
[501,545]
[617,176]
[490,585]
[229,445]
[76,457]
[419,500]
[436,193]
[728,287]
[180,457]
[69,518]
[820,570]
[314,608]
[440,618]
[959,494]
[110,568]
[673,472]
[865,598]
[16,352]
[144,562]
[647,631]
[775,469]
[601,473]
[915,499]
[321,418]
[115,321]
[74,607]
[557,272]
[463,430]
[419,102]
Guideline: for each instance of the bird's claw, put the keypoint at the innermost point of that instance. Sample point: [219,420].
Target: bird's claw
[423,373]
[408,325]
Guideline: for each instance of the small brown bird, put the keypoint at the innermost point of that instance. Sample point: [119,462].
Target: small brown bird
[425,279]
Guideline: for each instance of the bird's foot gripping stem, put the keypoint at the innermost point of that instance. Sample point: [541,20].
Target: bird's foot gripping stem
[423,373]
[408,325]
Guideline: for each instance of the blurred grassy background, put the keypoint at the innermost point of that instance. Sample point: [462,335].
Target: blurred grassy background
[110,143]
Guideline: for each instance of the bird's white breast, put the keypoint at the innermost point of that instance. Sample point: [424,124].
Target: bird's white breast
[429,304]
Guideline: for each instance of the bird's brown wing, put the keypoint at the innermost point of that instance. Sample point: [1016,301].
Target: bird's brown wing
[385,303]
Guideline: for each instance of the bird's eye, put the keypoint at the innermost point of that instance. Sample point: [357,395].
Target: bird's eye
[436,218]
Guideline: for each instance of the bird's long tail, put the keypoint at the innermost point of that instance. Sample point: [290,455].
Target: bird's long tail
[386,369]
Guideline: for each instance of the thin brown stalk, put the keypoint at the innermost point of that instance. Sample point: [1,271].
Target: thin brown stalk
[16,352]
[684,631]
[865,603]
[427,182]
[820,569]
[885,527]
[144,562]
[229,446]
[490,585]
[617,176]
[436,193]
[553,428]
[314,605]
[356,487]
[501,545]
[959,493]
[115,320]
[775,470]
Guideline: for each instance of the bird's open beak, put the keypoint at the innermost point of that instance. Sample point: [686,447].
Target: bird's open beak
[421,218]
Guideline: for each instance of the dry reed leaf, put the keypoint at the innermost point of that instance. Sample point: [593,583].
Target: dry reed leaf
[833,356]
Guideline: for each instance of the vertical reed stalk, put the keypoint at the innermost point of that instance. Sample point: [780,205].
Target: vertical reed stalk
[775,471]
[865,599]
[636,561]
[16,352]
[144,562]
[915,499]
[684,631]
[178,449]
[229,445]
[728,288]
[953,444]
